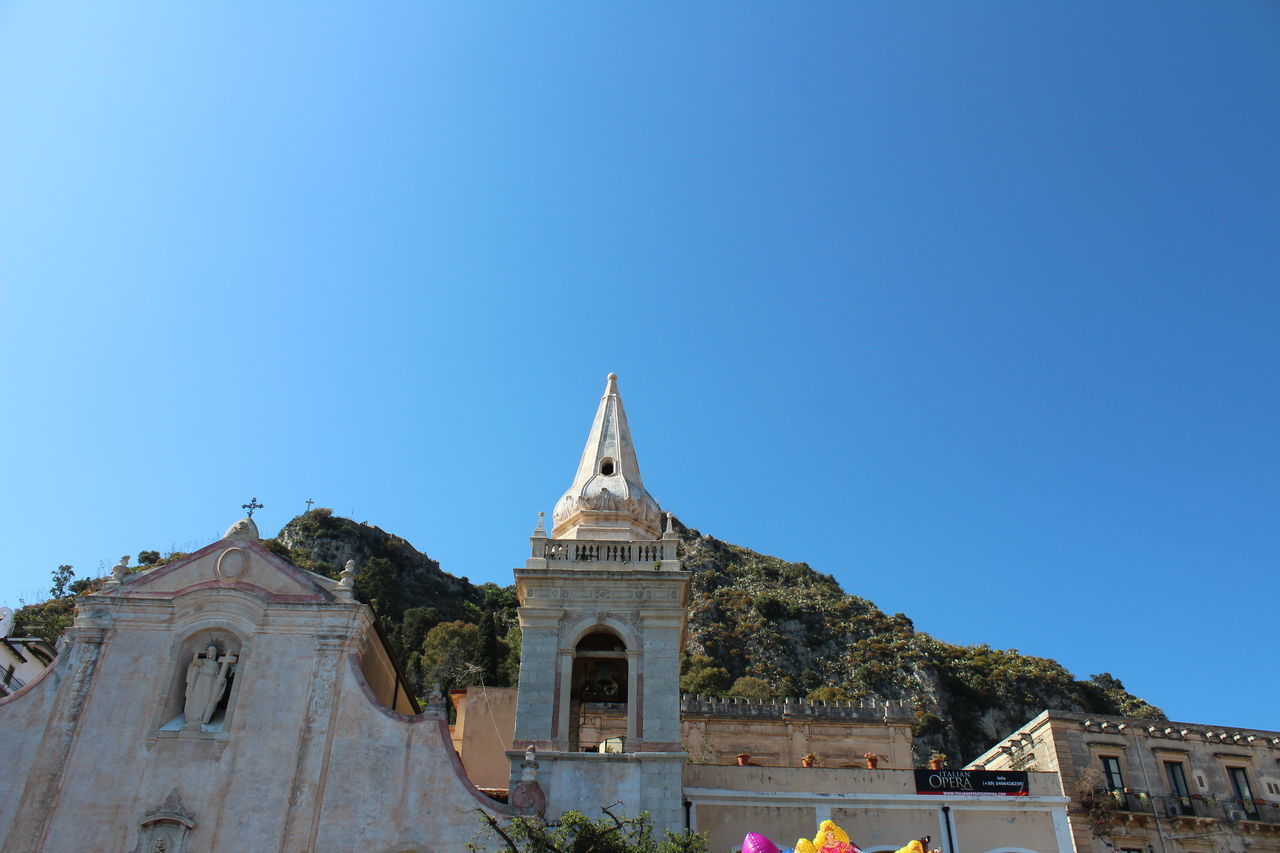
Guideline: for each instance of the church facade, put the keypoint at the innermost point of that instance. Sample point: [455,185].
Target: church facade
[232,701]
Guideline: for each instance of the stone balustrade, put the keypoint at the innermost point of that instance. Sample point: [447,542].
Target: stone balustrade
[598,551]
[791,708]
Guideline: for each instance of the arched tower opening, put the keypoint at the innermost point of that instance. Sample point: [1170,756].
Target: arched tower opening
[598,693]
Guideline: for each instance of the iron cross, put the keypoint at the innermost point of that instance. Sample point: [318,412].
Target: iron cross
[251,506]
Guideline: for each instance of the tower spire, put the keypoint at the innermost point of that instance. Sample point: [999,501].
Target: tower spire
[608,499]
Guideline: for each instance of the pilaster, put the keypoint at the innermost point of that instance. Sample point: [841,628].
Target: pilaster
[44,782]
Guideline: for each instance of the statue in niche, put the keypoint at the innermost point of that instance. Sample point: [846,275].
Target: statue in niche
[206,682]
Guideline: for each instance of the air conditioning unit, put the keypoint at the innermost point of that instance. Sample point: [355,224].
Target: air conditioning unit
[1172,810]
[1235,814]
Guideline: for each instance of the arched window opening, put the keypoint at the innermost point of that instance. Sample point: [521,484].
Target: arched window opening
[607,467]
[598,693]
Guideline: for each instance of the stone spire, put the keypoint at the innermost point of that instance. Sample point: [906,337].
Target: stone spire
[607,499]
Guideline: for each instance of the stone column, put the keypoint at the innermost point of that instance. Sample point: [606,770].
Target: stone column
[40,794]
[635,659]
[537,697]
[660,686]
[565,666]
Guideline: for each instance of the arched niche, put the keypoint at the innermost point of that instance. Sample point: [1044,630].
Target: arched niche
[601,684]
[600,669]
[199,695]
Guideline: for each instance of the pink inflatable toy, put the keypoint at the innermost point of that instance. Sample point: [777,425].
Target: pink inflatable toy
[757,843]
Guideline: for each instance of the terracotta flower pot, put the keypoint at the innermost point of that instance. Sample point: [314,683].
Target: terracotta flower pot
[872,762]
[935,763]
[744,758]
[806,762]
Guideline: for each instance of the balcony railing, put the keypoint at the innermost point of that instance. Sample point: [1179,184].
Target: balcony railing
[586,551]
[1173,807]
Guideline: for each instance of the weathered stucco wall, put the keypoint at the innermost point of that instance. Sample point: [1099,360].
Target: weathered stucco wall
[483,732]
[23,718]
[302,759]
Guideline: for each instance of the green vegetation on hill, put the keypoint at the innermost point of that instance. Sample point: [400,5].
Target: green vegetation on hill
[442,629]
[759,627]
[760,618]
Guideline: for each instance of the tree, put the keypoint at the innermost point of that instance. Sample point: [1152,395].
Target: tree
[1124,703]
[378,585]
[146,558]
[61,579]
[447,655]
[488,657]
[701,675]
[828,694]
[511,662]
[47,619]
[750,687]
[574,832]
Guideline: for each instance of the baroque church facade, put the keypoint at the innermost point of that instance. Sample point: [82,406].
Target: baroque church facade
[233,701]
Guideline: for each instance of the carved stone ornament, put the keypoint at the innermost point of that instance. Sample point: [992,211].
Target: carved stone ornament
[231,564]
[528,798]
[245,529]
[166,827]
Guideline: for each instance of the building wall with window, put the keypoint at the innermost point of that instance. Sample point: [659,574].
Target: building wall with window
[1154,785]
[21,660]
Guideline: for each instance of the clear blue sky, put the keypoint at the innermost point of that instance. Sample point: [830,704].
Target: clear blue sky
[973,305]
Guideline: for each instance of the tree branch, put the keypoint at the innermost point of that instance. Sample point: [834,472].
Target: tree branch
[617,824]
[496,827]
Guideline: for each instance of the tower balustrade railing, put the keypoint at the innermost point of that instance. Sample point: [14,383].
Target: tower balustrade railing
[593,551]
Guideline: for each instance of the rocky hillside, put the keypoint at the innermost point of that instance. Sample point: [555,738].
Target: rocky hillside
[798,633]
[793,629]
[442,628]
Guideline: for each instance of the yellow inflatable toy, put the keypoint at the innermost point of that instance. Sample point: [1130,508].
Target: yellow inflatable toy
[912,847]
[804,845]
[831,839]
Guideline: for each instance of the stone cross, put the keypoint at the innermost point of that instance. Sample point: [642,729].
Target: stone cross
[251,506]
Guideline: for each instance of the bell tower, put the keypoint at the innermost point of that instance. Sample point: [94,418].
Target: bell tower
[602,611]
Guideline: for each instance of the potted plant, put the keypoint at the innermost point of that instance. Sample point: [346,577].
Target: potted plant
[936,760]
[744,758]
[872,760]
[808,759]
